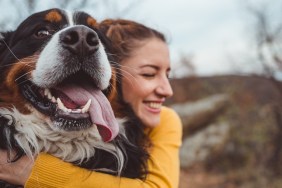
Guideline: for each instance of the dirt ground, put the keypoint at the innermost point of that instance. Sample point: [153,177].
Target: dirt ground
[202,179]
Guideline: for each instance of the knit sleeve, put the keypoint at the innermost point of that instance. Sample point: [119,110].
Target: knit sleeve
[163,164]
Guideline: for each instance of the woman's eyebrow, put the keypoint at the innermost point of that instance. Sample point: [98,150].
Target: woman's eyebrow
[152,66]
[155,67]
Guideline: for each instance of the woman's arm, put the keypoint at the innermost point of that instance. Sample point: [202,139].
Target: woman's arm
[167,139]
[16,173]
[163,165]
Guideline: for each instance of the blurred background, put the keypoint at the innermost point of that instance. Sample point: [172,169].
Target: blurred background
[226,75]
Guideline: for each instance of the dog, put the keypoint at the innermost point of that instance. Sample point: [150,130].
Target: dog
[57,84]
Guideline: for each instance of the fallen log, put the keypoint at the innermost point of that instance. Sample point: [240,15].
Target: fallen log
[197,115]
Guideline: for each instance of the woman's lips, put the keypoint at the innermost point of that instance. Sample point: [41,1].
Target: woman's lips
[152,106]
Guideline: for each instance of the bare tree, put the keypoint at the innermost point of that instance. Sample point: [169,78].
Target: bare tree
[184,67]
[267,35]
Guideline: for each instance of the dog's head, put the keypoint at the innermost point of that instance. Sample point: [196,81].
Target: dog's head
[55,64]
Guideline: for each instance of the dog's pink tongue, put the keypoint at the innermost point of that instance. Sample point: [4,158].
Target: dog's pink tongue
[100,111]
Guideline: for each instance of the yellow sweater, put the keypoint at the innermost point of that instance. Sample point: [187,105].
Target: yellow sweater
[163,165]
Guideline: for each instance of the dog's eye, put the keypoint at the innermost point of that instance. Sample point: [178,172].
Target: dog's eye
[43,33]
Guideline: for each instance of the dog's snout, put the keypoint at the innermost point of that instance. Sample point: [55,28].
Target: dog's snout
[80,40]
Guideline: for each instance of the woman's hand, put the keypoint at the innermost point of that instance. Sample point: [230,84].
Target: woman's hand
[17,172]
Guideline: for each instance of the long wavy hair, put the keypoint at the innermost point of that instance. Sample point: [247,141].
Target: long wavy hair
[125,37]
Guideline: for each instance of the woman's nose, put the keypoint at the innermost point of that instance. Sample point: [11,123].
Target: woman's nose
[164,88]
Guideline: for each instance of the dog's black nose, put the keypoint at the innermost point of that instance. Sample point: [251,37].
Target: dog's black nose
[80,40]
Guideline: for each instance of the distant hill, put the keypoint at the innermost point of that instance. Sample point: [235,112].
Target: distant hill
[244,88]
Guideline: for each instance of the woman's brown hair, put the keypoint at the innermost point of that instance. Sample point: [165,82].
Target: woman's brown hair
[126,35]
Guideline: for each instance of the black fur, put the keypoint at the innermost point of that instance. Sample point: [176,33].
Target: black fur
[8,142]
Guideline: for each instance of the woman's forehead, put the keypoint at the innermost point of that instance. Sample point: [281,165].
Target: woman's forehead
[153,52]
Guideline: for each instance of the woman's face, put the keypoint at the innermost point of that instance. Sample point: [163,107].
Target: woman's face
[145,82]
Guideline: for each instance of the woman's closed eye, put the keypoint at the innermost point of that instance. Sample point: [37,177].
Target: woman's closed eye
[149,71]
[148,75]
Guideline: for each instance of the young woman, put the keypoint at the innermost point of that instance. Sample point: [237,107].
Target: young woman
[145,63]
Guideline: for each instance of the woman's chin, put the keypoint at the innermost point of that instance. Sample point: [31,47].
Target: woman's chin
[151,120]
[150,117]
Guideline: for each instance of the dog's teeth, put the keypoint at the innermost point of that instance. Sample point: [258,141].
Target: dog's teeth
[86,106]
[61,105]
[46,92]
[50,96]
[76,111]
[53,100]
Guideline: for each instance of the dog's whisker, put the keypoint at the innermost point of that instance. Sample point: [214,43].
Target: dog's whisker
[127,74]
[10,49]
[120,65]
[18,62]
[124,71]
[24,81]
[129,77]
[22,75]
[26,62]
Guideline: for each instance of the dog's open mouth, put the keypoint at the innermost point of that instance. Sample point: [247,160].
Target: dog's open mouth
[73,105]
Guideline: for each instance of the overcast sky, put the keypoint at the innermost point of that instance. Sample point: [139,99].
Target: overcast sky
[207,30]
[213,32]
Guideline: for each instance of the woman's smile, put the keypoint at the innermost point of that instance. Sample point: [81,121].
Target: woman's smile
[153,106]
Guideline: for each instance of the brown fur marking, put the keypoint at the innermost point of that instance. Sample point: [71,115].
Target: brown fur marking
[53,16]
[9,90]
[91,22]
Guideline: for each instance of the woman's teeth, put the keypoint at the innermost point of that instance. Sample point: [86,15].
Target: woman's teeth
[155,105]
[62,107]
